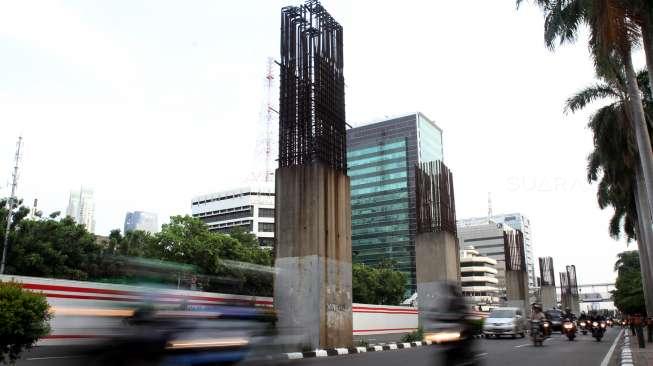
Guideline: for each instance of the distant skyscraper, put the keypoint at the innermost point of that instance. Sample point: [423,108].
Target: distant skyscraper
[81,208]
[381,159]
[143,221]
[516,221]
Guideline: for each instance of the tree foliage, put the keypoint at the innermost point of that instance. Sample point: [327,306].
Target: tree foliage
[628,295]
[49,247]
[380,285]
[24,318]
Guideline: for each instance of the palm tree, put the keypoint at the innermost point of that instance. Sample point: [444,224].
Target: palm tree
[612,35]
[641,13]
[613,164]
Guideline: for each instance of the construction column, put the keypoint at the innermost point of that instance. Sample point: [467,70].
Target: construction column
[516,271]
[312,287]
[548,287]
[437,255]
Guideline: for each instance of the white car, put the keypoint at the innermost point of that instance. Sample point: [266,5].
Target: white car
[504,321]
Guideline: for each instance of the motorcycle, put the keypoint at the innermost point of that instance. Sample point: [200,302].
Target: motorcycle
[598,329]
[569,329]
[584,325]
[610,323]
[539,331]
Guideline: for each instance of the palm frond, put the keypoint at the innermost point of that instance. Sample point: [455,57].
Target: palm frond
[588,95]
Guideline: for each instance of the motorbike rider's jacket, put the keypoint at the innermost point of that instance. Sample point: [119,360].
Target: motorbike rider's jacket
[538,315]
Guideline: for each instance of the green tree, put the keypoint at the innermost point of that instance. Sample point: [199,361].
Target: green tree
[612,36]
[24,318]
[380,285]
[628,295]
[51,248]
[614,162]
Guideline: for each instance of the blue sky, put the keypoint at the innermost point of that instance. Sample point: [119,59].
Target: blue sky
[153,102]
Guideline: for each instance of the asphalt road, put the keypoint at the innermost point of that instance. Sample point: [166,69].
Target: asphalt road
[556,351]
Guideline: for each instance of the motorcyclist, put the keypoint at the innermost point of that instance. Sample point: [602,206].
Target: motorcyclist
[568,315]
[583,316]
[538,315]
[596,317]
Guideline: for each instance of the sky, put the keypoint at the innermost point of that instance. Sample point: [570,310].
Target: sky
[150,103]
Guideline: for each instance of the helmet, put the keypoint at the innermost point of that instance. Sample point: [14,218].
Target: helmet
[537,306]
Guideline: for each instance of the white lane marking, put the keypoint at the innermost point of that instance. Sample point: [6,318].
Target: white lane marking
[295,355]
[482,354]
[51,358]
[523,345]
[606,359]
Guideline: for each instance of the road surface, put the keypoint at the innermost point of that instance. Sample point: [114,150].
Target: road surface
[558,351]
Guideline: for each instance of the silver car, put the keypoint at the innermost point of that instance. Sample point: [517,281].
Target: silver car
[504,321]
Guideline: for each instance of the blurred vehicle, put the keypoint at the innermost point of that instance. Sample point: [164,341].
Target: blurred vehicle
[448,326]
[539,331]
[569,329]
[504,321]
[584,326]
[554,316]
[598,329]
[195,335]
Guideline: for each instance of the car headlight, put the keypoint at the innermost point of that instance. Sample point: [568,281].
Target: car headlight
[582,324]
[442,337]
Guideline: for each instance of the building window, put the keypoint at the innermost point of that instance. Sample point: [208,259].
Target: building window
[265,212]
[266,242]
[246,212]
[267,227]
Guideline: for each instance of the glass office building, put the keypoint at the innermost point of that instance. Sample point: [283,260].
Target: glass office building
[381,159]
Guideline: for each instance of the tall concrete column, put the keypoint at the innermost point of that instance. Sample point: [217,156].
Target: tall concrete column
[548,286]
[437,264]
[312,289]
[548,296]
[437,257]
[516,269]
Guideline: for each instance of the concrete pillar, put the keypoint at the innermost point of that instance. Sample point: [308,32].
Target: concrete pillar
[312,288]
[437,262]
[548,296]
[517,289]
[574,304]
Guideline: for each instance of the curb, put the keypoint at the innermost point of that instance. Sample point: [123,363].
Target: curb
[353,350]
[626,354]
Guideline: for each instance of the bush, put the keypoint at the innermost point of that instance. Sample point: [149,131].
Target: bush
[24,318]
[476,325]
[416,336]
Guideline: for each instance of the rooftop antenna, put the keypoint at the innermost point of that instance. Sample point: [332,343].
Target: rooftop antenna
[10,205]
[489,206]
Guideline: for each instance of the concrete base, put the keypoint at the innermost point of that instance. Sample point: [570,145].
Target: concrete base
[548,294]
[517,289]
[312,288]
[437,263]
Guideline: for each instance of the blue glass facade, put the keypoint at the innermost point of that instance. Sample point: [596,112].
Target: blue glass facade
[381,159]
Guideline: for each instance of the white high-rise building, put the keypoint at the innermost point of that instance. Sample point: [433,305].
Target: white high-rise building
[81,208]
[251,208]
[516,221]
[478,279]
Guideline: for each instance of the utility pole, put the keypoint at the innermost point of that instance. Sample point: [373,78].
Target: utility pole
[10,205]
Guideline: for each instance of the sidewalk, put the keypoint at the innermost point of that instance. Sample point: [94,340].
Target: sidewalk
[641,356]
